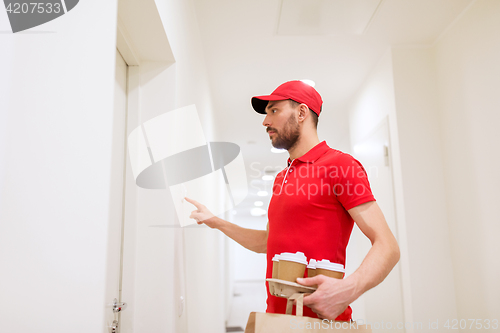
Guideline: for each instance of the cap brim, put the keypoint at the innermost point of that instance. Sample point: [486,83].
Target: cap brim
[259,103]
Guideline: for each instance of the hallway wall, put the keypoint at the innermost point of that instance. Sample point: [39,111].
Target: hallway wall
[444,104]
[56,122]
[429,251]
[203,248]
[468,82]
[374,102]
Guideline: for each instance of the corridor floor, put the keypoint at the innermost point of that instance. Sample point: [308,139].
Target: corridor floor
[248,297]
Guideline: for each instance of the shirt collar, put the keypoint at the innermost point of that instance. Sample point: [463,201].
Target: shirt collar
[313,154]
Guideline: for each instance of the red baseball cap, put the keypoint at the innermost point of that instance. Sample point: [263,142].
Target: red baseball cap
[298,91]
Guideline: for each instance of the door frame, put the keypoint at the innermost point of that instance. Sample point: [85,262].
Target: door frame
[394,162]
[140,37]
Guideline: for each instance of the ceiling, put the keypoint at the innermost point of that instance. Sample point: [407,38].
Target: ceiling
[252,46]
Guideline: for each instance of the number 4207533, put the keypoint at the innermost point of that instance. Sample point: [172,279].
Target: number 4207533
[34,7]
[455,324]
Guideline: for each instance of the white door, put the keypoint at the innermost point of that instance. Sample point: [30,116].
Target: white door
[152,280]
[382,305]
[116,204]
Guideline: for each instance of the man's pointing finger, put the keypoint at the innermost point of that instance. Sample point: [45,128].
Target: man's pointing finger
[194,202]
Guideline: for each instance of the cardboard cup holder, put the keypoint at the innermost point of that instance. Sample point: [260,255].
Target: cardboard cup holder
[285,289]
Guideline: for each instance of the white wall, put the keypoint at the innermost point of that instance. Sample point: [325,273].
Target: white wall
[248,265]
[56,113]
[468,81]
[56,134]
[375,102]
[424,189]
[444,110]
[333,127]
[401,89]
[170,263]
[203,248]
[152,274]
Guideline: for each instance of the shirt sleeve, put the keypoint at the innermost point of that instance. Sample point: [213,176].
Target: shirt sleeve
[350,182]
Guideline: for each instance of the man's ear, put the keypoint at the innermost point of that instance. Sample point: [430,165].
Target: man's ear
[303,112]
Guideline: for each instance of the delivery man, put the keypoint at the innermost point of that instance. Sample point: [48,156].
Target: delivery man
[316,200]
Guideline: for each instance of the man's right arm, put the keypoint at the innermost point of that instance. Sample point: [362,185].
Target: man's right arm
[254,240]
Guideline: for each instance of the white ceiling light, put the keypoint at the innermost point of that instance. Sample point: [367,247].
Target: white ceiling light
[257,212]
[262,193]
[267,177]
[309,82]
[258,203]
[277,151]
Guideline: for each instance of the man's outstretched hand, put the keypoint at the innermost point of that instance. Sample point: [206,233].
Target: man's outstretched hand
[202,214]
[331,298]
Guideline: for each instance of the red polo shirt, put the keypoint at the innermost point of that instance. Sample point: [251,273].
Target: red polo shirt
[308,211]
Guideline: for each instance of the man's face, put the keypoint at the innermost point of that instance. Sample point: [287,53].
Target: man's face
[282,125]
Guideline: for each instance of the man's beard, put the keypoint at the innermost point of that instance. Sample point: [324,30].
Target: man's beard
[289,136]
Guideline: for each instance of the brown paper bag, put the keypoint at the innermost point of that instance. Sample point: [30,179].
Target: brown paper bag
[286,323]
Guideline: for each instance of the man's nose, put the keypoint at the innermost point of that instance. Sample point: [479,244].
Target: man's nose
[266,121]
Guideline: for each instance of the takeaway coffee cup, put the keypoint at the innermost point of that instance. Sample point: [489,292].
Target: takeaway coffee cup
[291,266]
[276,260]
[330,269]
[311,268]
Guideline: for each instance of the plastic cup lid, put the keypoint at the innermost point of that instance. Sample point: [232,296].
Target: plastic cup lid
[326,264]
[295,257]
[276,257]
[312,264]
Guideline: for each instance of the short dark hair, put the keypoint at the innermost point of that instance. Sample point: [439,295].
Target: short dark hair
[313,114]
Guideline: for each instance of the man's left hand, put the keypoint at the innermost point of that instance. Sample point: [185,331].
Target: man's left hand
[331,298]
